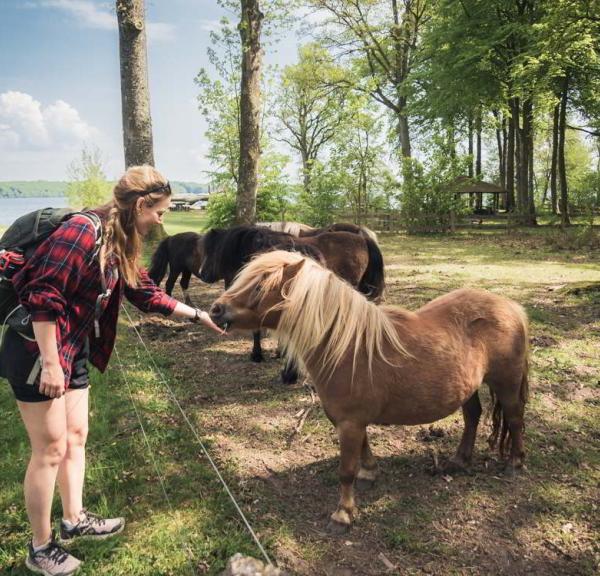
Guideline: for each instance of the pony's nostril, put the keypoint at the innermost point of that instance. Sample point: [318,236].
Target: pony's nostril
[216,311]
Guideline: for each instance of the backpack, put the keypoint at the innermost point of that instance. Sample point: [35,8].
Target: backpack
[17,245]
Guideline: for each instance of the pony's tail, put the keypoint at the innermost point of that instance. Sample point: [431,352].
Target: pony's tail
[500,434]
[372,283]
[160,261]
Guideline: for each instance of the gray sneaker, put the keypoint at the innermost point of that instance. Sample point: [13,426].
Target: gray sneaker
[92,526]
[53,560]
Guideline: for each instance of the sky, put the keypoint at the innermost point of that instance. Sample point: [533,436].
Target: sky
[60,84]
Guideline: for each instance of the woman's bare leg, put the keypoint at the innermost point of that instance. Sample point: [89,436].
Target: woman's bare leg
[46,427]
[71,472]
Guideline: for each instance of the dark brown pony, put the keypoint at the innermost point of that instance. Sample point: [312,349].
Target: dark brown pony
[353,257]
[299,229]
[386,365]
[182,254]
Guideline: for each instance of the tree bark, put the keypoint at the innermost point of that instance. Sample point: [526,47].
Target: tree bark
[478,155]
[554,161]
[562,170]
[470,136]
[135,96]
[528,203]
[510,163]
[250,100]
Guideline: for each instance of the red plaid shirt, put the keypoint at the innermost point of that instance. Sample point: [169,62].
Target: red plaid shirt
[61,282]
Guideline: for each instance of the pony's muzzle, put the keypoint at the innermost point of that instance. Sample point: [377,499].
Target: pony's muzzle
[218,314]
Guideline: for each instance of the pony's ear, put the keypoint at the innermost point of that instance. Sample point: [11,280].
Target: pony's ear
[290,270]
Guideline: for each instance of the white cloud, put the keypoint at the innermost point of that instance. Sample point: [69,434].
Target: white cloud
[160,32]
[102,16]
[26,125]
[87,13]
[22,119]
[65,124]
[209,25]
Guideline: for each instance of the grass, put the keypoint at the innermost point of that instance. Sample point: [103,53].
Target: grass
[176,222]
[545,522]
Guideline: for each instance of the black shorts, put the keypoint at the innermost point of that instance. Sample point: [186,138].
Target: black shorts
[17,363]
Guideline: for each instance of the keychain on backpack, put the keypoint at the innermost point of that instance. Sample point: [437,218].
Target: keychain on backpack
[11,261]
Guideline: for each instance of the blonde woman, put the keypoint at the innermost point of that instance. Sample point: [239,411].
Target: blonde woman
[72,287]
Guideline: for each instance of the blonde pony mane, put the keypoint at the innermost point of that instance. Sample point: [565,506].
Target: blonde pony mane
[320,312]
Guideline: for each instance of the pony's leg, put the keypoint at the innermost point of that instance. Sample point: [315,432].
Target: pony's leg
[289,374]
[351,436]
[367,474]
[471,413]
[185,284]
[173,274]
[256,355]
[512,400]
[513,415]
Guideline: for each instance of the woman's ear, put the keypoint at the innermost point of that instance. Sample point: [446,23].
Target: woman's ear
[138,205]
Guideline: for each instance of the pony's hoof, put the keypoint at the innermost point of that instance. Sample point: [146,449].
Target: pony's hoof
[457,466]
[256,357]
[337,528]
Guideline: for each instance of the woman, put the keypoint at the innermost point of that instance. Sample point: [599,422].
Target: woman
[74,317]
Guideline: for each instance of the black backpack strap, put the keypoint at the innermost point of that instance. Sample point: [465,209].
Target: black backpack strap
[106,292]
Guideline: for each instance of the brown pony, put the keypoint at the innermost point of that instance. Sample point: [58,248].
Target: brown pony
[300,230]
[386,365]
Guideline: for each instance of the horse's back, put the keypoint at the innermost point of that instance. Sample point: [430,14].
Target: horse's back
[492,320]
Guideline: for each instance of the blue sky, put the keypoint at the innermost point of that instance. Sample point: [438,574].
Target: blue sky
[60,86]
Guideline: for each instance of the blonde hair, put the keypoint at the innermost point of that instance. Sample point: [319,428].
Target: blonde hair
[321,313]
[121,238]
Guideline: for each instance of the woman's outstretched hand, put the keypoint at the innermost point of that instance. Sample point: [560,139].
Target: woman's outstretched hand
[202,317]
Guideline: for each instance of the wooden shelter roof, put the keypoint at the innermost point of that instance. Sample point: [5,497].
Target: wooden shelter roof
[466,185]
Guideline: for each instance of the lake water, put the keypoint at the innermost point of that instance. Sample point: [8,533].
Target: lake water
[12,208]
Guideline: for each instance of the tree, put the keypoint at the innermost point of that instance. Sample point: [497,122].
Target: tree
[311,105]
[135,96]
[379,41]
[250,108]
[88,186]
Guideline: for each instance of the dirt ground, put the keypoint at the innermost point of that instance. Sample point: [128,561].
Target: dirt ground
[413,521]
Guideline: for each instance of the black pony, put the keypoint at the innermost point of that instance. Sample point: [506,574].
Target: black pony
[354,257]
[182,254]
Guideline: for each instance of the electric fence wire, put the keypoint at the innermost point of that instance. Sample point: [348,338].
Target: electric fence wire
[188,549]
[163,380]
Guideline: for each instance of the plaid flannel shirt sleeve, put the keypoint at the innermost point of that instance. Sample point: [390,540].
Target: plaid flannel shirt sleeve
[148,297]
[51,276]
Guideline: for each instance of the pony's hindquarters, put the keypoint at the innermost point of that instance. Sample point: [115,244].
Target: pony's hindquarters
[160,262]
[508,379]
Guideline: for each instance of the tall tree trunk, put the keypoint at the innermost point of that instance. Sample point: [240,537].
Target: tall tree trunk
[471,157]
[402,32]
[527,164]
[510,164]
[470,136]
[404,129]
[135,96]
[562,169]
[451,139]
[306,171]
[250,98]
[478,155]
[499,148]
[554,161]
[518,160]
[504,199]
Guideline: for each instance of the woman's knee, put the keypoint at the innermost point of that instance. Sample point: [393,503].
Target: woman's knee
[76,437]
[51,453]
